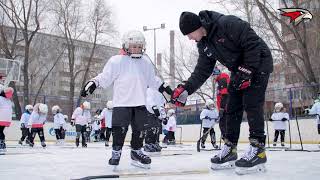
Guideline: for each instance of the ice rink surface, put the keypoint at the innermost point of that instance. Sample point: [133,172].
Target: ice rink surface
[178,162]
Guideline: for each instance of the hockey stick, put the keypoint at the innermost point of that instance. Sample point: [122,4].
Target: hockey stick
[146,174]
[198,142]
[267,124]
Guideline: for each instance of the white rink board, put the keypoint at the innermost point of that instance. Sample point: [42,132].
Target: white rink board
[190,133]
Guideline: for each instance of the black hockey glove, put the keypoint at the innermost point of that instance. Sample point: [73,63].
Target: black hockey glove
[242,78]
[156,111]
[284,119]
[166,91]
[165,121]
[179,96]
[72,122]
[88,88]
[23,125]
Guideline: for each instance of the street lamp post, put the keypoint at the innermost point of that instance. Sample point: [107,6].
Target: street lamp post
[145,28]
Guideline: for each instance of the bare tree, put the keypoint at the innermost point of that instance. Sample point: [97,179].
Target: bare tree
[45,54]
[302,56]
[24,15]
[70,23]
[99,24]
[186,60]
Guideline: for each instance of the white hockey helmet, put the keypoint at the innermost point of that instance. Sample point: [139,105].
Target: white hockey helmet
[29,107]
[171,112]
[86,105]
[278,106]
[133,37]
[109,105]
[210,104]
[43,108]
[65,117]
[55,109]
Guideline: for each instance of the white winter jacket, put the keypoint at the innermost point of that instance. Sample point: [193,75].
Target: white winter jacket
[130,78]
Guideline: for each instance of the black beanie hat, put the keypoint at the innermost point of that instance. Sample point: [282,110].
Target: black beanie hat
[189,22]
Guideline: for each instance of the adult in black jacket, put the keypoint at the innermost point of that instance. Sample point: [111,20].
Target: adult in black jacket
[232,42]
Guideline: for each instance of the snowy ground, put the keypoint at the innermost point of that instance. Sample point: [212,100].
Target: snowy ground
[68,162]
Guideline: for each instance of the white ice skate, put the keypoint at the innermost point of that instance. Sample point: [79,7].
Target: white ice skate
[250,170]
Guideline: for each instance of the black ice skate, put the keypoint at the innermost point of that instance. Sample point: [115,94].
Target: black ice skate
[106,144]
[84,145]
[115,158]
[157,147]
[20,142]
[282,144]
[139,159]
[3,148]
[171,142]
[77,142]
[202,145]
[149,148]
[253,160]
[43,144]
[225,158]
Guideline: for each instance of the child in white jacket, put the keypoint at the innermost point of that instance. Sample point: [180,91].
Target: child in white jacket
[171,127]
[59,124]
[81,117]
[279,119]
[5,113]
[36,122]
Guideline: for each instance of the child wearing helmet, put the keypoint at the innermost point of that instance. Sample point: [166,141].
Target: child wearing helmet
[279,118]
[209,116]
[171,127]
[59,124]
[130,73]
[315,110]
[36,122]
[81,117]
[24,121]
[5,114]
[106,122]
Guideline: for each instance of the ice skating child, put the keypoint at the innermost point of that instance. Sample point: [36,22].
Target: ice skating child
[130,74]
[315,110]
[106,119]
[279,119]
[156,113]
[5,113]
[209,117]
[171,127]
[81,117]
[36,122]
[24,121]
[96,126]
[59,124]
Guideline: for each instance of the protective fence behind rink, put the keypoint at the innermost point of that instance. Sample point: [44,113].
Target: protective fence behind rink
[301,129]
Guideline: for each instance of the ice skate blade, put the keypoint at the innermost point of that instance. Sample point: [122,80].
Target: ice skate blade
[115,168]
[249,170]
[226,165]
[140,165]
